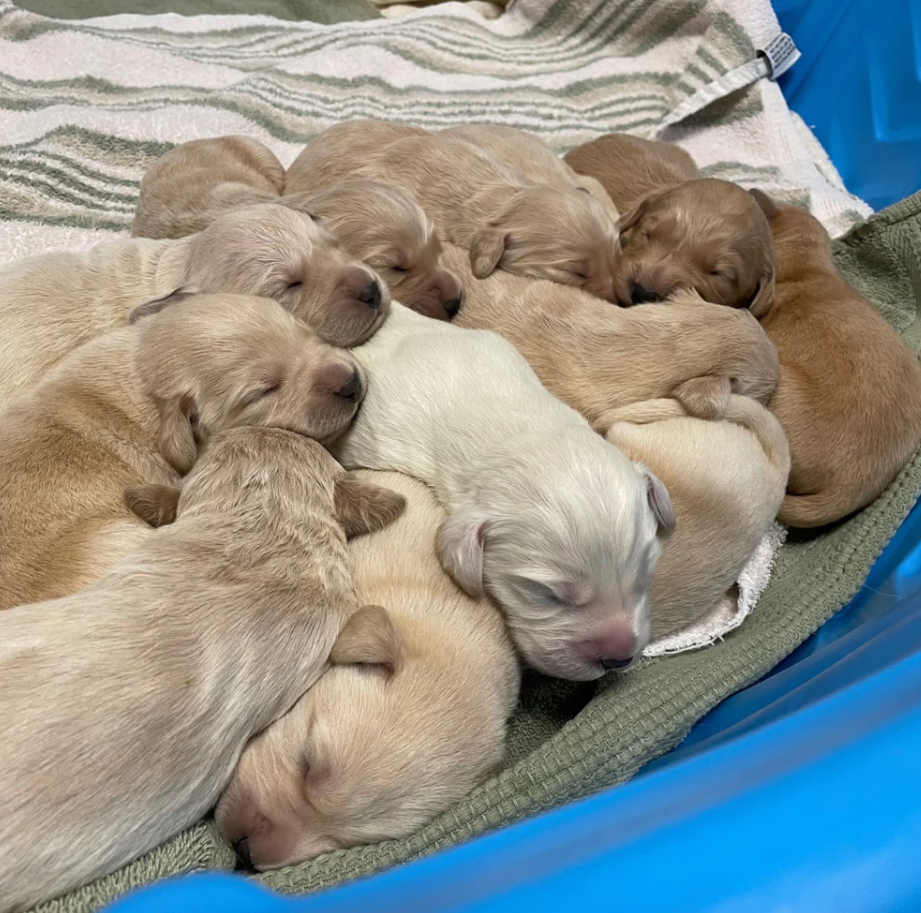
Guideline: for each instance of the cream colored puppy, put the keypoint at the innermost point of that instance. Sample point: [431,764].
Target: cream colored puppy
[189,187]
[132,406]
[375,751]
[125,708]
[727,481]
[532,157]
[51,304]
[561,528]
[506,221]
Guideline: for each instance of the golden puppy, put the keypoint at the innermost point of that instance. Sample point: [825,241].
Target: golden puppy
[630,168]
[376,749]
[506,221]
[132,406]
[596,359]
[125,707]
[726,480]
[849,392]
[51,304]
[190,186]
[388,230]
[531,157]
[680,231]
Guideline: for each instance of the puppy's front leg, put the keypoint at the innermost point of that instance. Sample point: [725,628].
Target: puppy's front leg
[704,397]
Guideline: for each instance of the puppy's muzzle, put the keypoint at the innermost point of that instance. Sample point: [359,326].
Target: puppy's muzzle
[241,848]
[372,295]
[643,295]
[453,306]
[354,387]
[611,665]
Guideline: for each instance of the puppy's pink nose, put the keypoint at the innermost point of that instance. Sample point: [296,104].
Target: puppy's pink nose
[615,648]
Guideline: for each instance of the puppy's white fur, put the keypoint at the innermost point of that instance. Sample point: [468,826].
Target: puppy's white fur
[559,526]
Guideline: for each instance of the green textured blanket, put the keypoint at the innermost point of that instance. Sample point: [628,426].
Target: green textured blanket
[86,108]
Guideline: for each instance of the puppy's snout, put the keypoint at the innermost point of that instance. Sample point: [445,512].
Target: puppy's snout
[453,306]
[615,664]
[353,388]
[615,648]
[643,295]
[241,848]
[372,295]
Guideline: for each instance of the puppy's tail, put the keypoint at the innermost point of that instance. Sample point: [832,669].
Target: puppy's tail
[753,417]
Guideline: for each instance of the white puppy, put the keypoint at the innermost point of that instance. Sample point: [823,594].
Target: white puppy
[560,527]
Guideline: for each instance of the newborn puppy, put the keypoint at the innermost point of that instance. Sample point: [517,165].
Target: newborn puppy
[407,722]
[553,522]
[506,221]
[849,393]
[52,303]
[125,707]
[388,230]
[630,168]
[194,183]
[596,359]
[531,157]
[132,406]
[726,479]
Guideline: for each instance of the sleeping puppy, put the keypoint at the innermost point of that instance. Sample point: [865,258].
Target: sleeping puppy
[849,393]
[133,406]
[630,168]
[689,233]
[51,304]
[195,182]
[560,527]
[439,681]
[506,221]
[726,480]
[388,230]
[596,359]
[125,707]
[531,157]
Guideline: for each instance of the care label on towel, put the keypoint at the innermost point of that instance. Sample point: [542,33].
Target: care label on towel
[780,54]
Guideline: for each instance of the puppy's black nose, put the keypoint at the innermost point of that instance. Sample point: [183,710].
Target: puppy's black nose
[454,305]
[241,848]
[642,295]
[611,664]
[352,389]
[371,295]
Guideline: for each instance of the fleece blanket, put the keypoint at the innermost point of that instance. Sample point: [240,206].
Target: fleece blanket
[89,104]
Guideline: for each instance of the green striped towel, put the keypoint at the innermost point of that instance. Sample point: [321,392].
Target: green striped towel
[88,105]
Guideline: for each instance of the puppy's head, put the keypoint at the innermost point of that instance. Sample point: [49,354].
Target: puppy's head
[708,235]
[393,734]
[800,239]
[218,361]
[564,235]
[388,230]
[275,252]
[571,565]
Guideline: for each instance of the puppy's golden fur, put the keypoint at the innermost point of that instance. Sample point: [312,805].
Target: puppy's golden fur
[190,186]
[506,221]
[51,304]
[125,707]
[440,679]
[131,407]
[849,392]
[678,230]
[595,359]
[726,479]
[629,168]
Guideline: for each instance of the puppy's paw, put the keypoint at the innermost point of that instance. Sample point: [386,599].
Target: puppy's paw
[704,397]
[154,504]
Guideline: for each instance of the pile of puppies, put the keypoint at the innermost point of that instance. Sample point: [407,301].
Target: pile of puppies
[541,471]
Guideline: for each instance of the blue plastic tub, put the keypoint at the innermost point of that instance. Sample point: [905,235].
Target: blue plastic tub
[801,793]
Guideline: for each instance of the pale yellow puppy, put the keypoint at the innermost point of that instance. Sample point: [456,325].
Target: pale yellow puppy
[374,751]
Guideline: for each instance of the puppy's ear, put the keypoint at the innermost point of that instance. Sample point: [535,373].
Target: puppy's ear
[154,504]
[155,305]
[461,542]
[486,251]
[363,507]
[766,204]
[630,218]
[764,294]
[178,422]
[660,502]
[301,202]
[369,638]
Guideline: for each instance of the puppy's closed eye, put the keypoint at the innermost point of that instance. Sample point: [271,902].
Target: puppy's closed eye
[261,392]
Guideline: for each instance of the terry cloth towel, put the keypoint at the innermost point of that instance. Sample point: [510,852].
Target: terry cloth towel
[89,104]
